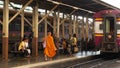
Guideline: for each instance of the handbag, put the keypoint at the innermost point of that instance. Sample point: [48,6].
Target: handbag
[76,49]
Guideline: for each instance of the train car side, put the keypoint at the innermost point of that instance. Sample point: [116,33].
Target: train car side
[107,31]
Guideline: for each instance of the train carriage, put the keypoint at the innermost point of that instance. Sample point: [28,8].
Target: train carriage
[107,31]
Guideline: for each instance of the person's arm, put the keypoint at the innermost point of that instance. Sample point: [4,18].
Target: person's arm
[21,46]
[54,44]
[75,41]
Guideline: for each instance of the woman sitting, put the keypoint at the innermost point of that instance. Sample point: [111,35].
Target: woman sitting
[24,47]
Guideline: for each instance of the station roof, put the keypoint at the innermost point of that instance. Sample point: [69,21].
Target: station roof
[67,6]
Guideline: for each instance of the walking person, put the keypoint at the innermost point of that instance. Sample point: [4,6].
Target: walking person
[50,49]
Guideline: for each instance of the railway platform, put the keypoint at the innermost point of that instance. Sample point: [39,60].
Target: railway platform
[60,61]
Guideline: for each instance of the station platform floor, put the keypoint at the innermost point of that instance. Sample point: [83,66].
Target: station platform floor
[38,62]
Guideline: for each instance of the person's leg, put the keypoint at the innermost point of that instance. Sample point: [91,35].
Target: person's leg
[46,58]
[72,49]
[25,53]
[51,59]
[29,51]
[21,53]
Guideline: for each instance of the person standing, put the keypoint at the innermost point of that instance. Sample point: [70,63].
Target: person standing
[73,43]
[50,49]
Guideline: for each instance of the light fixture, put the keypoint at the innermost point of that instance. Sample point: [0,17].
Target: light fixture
[55,2]
[75,8]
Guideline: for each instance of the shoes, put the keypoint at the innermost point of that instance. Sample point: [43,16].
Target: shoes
[46,59]
[28,56]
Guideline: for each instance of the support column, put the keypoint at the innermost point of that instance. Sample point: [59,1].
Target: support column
[70,25]
[83,27]
[54,23]
[63,29]
[77,26]
[58,25]
[74,25]
[45,25]
[22,24]
[48,13]
[5,30]
[87,29]
[35,31]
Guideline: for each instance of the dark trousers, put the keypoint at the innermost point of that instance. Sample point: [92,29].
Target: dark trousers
[72,49]
[24,53]
[65,51]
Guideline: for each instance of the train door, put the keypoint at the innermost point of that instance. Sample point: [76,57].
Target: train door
[109,31]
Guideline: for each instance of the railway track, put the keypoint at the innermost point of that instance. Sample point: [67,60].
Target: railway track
[96,63]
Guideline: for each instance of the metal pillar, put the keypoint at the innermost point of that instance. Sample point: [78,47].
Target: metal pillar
[87,29]
[83,27]
[63,29]
[54,23]
[77,26]
[5,30]
[21,14]
[67,17]
[22,24]
[48,13]
[1,22]
[45,25]
[74,25]
[58,24]
[93,28]
[35,31]
[20,10]
[70,25]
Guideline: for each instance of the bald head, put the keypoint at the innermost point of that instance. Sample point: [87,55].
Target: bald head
[49,33]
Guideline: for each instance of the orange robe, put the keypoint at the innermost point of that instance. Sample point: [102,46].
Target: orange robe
[50,49]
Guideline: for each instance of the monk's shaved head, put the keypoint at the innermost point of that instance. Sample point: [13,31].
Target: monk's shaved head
[49,33]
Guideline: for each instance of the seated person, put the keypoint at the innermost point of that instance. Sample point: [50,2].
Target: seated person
[24,47]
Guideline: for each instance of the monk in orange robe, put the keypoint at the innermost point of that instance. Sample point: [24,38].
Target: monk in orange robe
[50,49]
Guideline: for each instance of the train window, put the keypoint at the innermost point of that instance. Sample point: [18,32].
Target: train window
[101,26]
[41,28]
[26,28]
[118,26]
[109,27]
[17,27]
[12,27]
[118,15]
